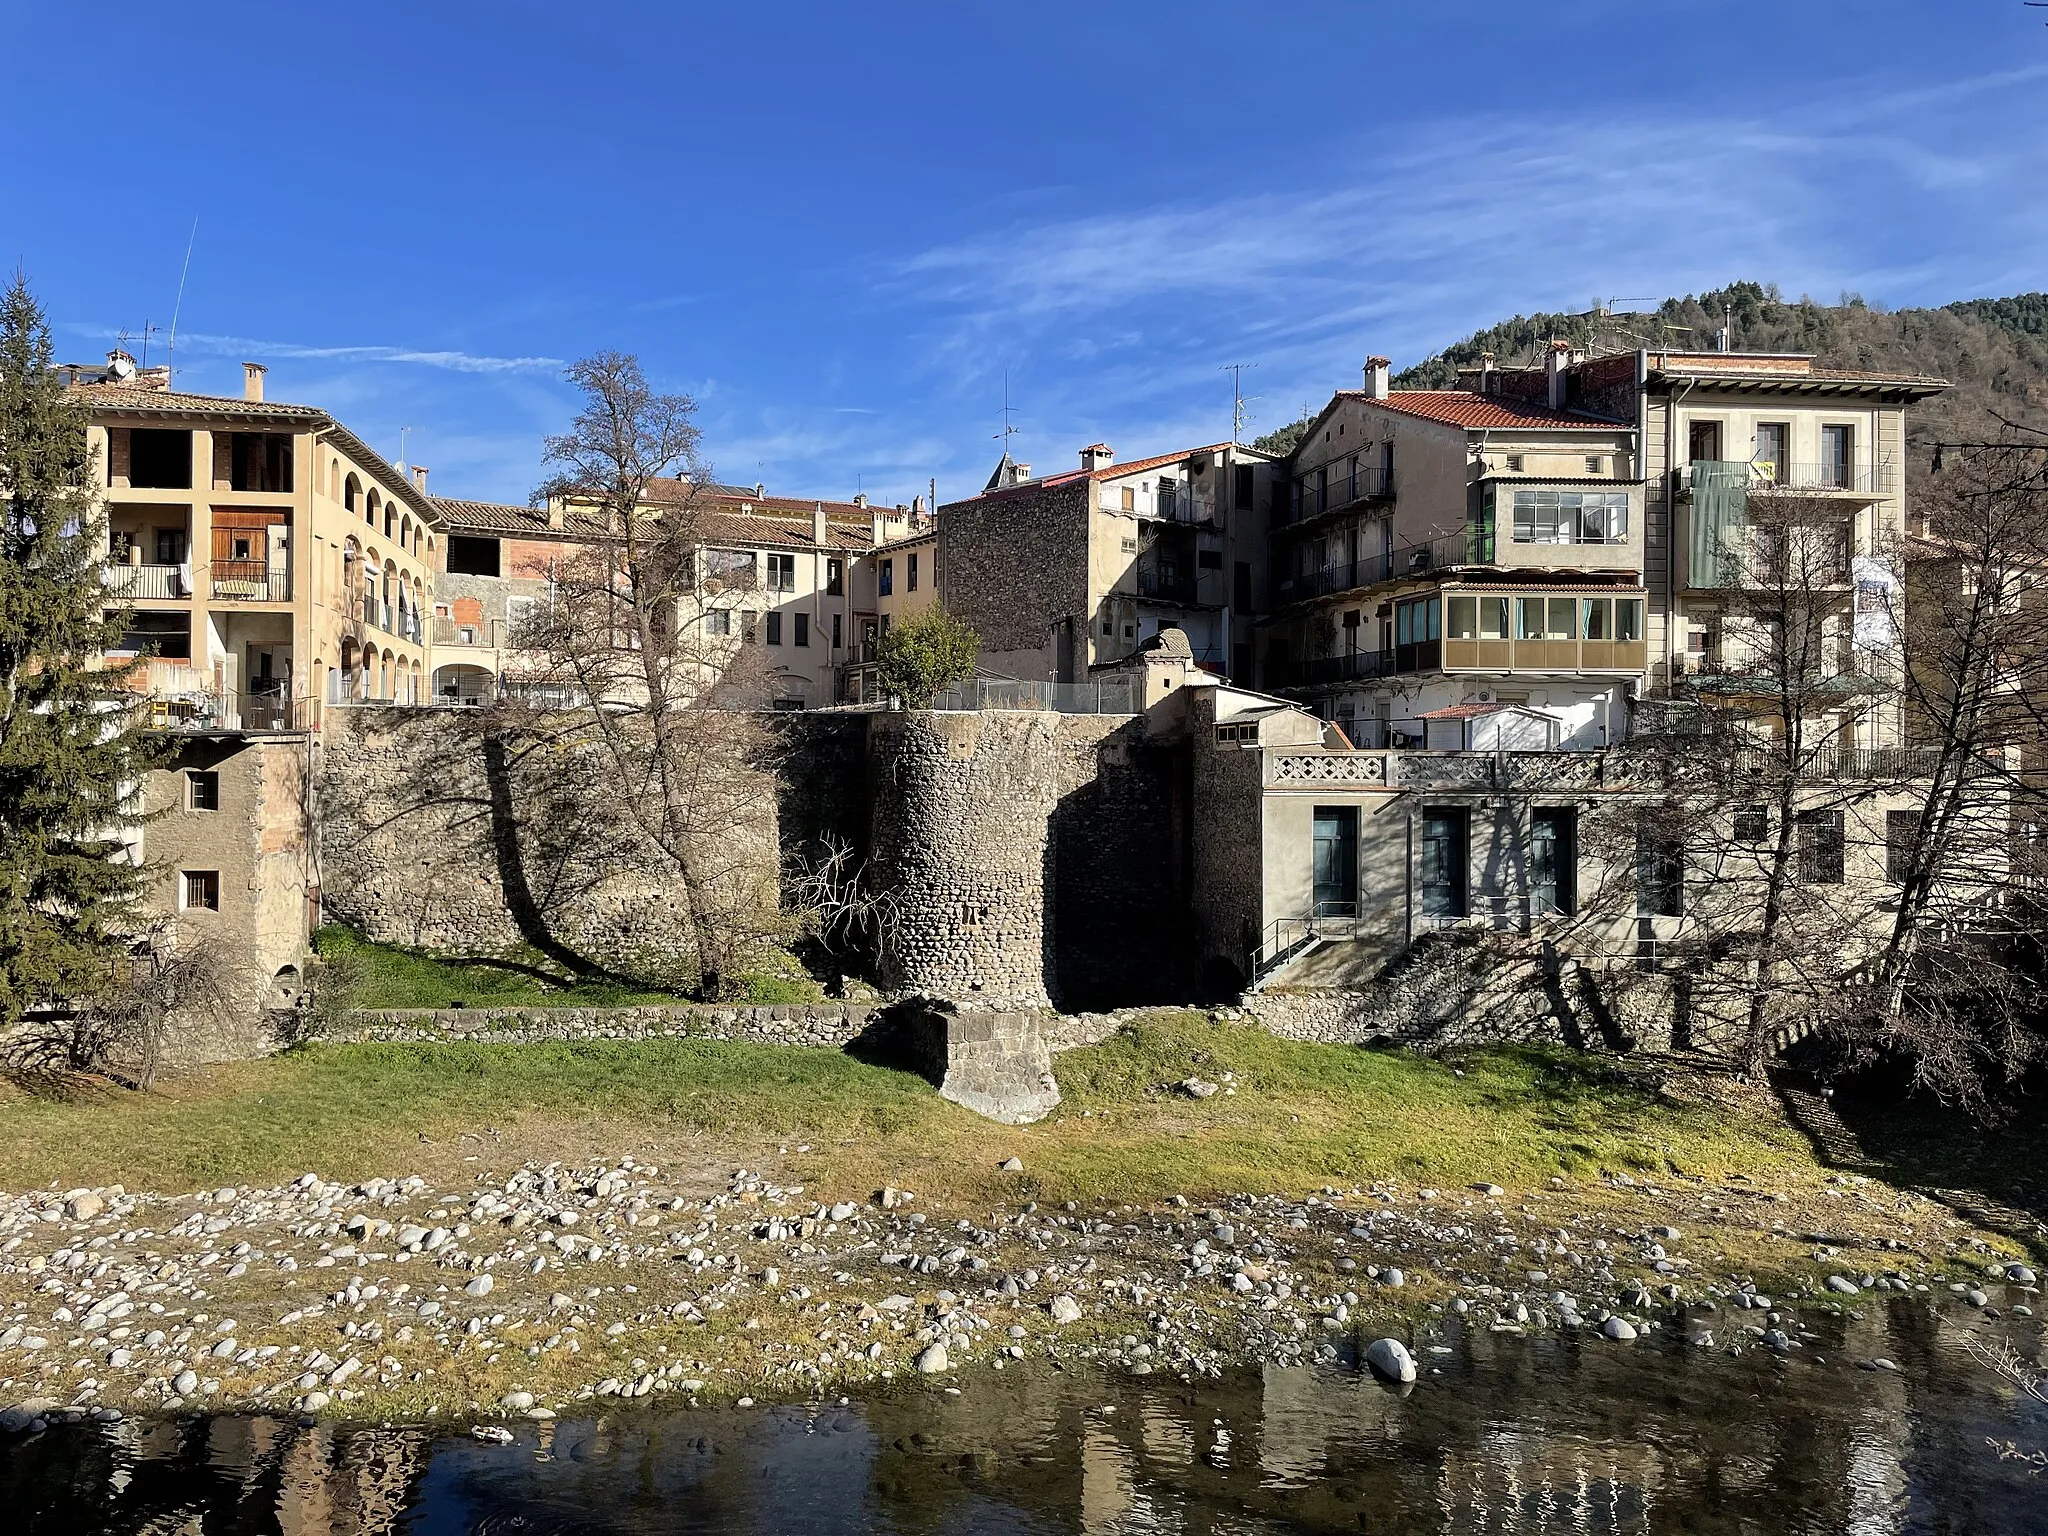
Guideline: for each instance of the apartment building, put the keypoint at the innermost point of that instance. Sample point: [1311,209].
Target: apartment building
[1452,562]
[768,571]
[272,562]
[1509,563]
[273,567]
[1075,570]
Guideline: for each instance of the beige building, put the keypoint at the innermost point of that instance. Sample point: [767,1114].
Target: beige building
[769,571]
[273,563]
[1512,562]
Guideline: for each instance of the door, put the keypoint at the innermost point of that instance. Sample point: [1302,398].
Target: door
[1443,863]
[1552,861]
[1336,861]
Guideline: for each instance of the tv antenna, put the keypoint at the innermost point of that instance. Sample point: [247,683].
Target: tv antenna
[1237,397]
[148,331]
[1009,431]
[171,351]
[403,434]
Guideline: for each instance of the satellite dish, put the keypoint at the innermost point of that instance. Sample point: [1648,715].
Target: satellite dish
[121,366]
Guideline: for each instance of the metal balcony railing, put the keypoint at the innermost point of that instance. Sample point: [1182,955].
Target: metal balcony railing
[135,583]
[1313,495]
[1766,475]
[1370,570]
[1181,507]
[251,581]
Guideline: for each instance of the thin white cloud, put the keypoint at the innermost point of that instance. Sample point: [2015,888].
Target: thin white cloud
[208,345]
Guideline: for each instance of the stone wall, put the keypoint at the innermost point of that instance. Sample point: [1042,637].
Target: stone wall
[1035,857]
[440,835]
[1015,566]
[1448,994]
[822,1024]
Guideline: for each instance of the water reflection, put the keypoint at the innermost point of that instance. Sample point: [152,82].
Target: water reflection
[1514,1436]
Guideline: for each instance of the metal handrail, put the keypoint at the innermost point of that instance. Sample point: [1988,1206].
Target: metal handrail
[1393,565]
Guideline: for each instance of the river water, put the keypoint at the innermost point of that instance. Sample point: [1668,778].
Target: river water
[1551,1433]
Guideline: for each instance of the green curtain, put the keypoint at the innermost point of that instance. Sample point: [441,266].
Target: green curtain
[1719,514]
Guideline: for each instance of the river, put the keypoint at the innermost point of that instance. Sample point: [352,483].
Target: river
[1502,1433]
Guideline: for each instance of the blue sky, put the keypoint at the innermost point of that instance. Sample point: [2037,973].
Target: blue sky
[837,226]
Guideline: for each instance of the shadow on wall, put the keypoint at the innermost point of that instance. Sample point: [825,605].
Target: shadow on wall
[1118,878]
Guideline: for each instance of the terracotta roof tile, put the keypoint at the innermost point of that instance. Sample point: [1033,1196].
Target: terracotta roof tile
[1469,409]
[124,398]
[717,527]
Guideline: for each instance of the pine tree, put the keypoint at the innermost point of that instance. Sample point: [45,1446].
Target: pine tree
[72,752]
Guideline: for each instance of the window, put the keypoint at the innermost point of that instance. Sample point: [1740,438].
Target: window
[775,629]
[717,621]
[159,460]
[1444,842]
[1553,860]
[1773,452]
[472,556]
[170,546]
[801,624]
[199,890]
[1571,517]
[1660,874]
[1820,847]
[202,791]
[1515,463]
[910,571]
[1108,625]
[1128,500]
[1703,441]
[1247,483]
[1242,733]
[749,630]
[1241,586]
[835,580]
[782,573]
[1130,546]
[1334,888]
[465,634]
[885,578]
[1628,618]
[1901,832]
[1476,618]
[1837,456]
[1595,465]
[1753,824]
[1546,618]
[835,631]
[1209,559]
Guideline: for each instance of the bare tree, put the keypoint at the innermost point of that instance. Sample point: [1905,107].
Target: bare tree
[124,1028]
[635,687]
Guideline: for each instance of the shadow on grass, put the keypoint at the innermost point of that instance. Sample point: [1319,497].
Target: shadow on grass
[1995,1176]
[59,1085]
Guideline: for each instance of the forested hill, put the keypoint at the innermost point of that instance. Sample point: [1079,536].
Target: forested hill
[1994,351]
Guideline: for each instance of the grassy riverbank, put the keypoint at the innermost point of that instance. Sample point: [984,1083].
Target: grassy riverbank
[1292,1116]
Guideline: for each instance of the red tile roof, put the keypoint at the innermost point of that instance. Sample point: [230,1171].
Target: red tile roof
[723,526]
[1476,412]
[1115,471]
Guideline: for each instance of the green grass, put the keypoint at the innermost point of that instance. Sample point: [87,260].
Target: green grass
[385,976]
[1302,1115]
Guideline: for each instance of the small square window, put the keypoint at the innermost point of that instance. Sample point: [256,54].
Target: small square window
[1595,465]
[1515,462]
[1753,824]
[201,890]
[1130,546]
[202,791]
[717,621]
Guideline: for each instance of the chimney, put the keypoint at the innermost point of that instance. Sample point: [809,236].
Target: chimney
[419,478]
[1555,362]
[1486,373]
[878,523]
[556,512]
[1020,474]
[818,525]
[1376,377]
[252,381]
[916,510]
[1096,456]
[860,498]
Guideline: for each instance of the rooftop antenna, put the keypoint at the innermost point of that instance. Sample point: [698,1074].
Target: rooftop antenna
[171,352]
[403,434]
[1008,431]
[1236,372]
[148,330]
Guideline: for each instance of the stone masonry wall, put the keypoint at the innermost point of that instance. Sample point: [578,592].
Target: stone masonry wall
[1035,857]
[438,837]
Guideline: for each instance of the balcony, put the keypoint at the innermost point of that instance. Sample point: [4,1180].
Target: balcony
[147,583]
[1183,507]
[1412,560]
[1545,655]
[1320,494]
[1189,589]
[251,581]
[1859,482]
[210,711]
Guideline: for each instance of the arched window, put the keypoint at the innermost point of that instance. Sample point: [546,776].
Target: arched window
[405,532]
[370,508]
[351,493]
[390,518]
